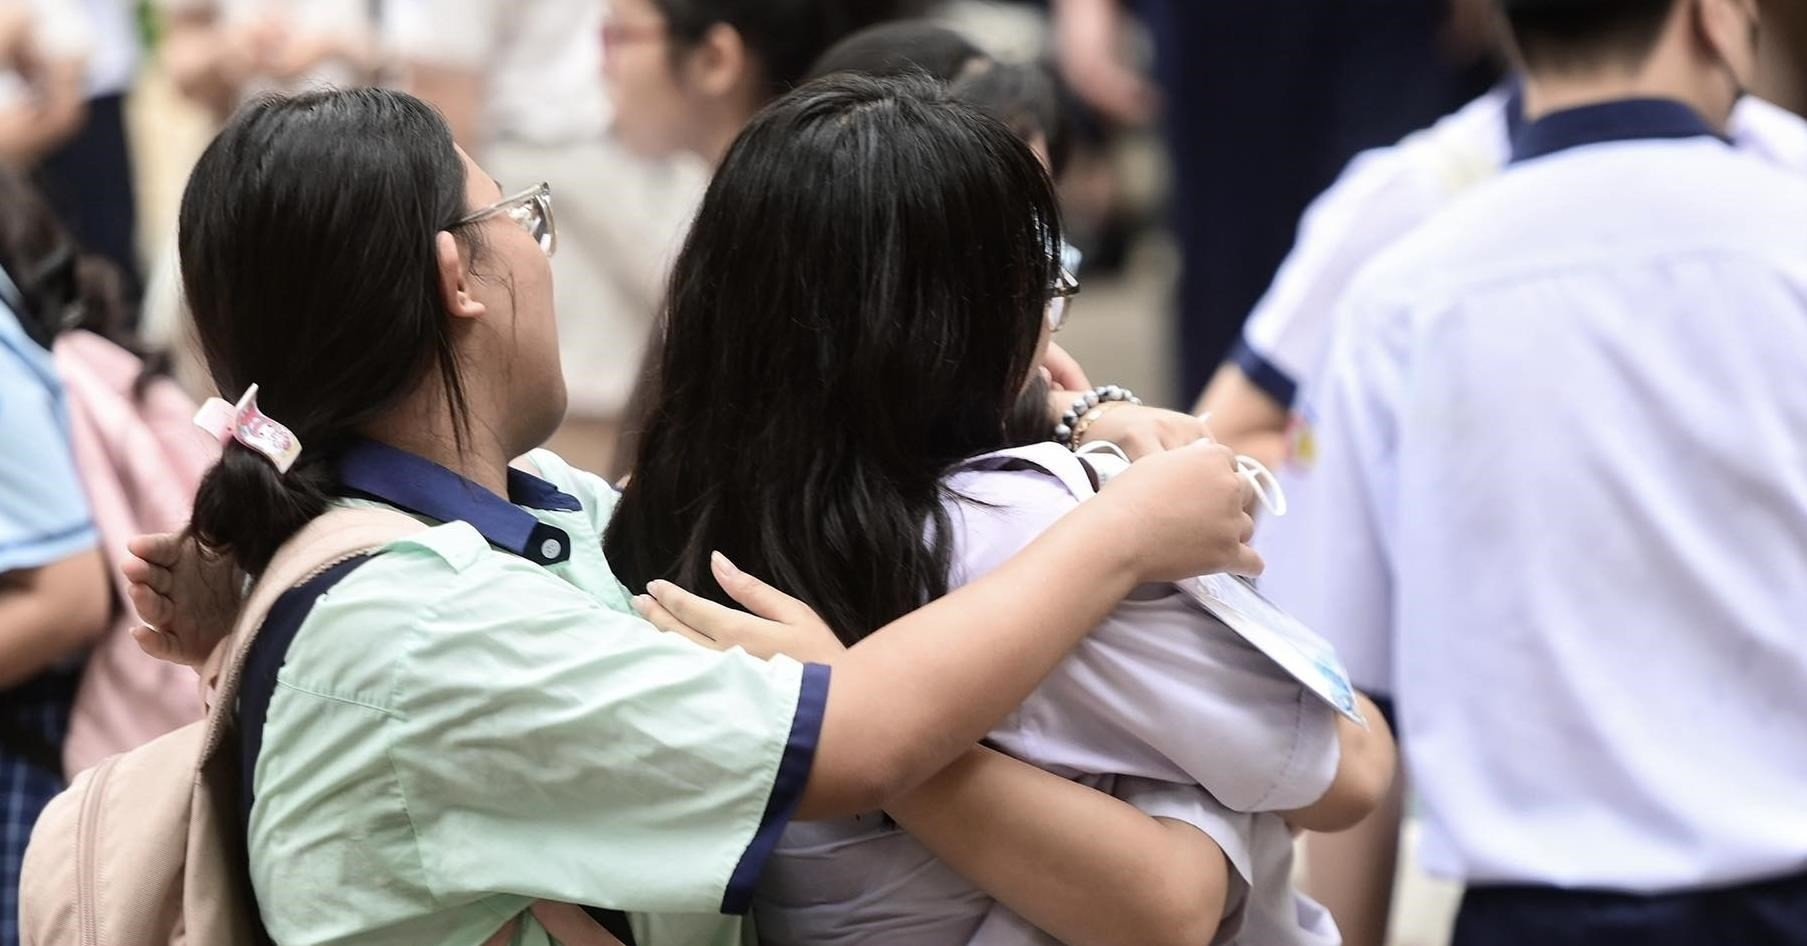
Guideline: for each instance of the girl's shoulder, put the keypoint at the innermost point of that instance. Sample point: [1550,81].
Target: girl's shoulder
[999,502]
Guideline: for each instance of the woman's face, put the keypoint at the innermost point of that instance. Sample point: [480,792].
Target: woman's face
[654,107]
[512,278]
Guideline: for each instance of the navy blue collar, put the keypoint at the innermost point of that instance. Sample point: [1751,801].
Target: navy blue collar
[1625,120]
[409,482]
[1515,106]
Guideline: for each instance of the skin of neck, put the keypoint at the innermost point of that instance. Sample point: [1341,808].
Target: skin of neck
[1681,68]
[724,121]
[423,425]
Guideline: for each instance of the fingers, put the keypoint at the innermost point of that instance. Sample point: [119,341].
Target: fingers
[757,596]
[1248,563]
[140,572]
[715,621]
[163,548]
[1064,370]
[656,614]
[152,608]
[156,644]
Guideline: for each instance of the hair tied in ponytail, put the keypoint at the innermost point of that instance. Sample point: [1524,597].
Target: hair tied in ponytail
[253,429]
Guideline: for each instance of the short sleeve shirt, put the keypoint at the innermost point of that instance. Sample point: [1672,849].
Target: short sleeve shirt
[43,511]
[475,719]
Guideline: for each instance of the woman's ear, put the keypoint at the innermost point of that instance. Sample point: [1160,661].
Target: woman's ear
[720,65]
[1730,29]
[455,278]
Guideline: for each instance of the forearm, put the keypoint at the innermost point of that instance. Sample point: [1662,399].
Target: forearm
[1245,417]
[909,699]
[1082,866]
[49,614]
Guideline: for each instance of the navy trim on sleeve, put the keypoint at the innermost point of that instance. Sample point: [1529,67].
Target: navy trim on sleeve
[787,789]
[1266,375]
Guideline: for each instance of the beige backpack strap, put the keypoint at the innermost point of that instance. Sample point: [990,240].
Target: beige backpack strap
[334,537]
[568,925]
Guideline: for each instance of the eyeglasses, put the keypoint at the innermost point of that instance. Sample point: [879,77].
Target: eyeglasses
[1065,288]
[616,34]
[531,210]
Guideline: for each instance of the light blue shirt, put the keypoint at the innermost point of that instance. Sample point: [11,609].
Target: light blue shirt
[1562,492]
[43,511]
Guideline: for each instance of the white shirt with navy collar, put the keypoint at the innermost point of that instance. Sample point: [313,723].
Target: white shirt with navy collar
[1382,196]
[1563,496]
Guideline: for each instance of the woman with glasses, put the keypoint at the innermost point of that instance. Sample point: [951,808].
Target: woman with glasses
[521,83]
[475,718]
[860,307]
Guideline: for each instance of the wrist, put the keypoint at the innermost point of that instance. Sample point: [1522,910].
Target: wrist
[1085,410]
[1097,540]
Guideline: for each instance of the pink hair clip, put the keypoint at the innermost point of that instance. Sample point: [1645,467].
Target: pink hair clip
[249,426]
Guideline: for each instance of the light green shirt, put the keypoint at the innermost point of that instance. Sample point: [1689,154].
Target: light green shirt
[458,731]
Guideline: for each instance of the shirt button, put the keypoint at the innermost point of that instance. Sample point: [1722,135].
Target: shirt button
[550,549]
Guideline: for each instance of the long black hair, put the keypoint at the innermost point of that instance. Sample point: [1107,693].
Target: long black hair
[307,242]
[57,285]
[857,308]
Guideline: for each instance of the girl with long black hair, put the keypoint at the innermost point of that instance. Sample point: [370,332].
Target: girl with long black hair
[858,311]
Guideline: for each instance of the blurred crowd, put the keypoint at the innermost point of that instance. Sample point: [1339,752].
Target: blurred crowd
[1508,295]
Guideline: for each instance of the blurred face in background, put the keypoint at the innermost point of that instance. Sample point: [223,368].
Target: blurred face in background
[643,79]
[674,93]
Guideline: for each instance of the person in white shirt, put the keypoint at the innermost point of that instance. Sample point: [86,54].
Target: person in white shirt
[44,49]
[221,53]
[522,85]
[88,177]
[1563,520]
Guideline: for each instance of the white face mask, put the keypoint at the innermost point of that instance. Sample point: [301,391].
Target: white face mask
[1107,460]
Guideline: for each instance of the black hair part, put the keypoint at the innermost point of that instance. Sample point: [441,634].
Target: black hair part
[903,47]
[857,308]
[307,239]
[1026,98]
[1571,35]
[786,36]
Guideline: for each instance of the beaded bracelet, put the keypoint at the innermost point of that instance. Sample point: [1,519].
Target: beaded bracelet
[1086,410]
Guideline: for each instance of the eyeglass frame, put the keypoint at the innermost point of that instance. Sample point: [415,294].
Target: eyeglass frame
[1066,286]
[535,199]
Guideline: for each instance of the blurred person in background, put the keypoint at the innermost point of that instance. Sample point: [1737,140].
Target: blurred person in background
[687,75]
[1256,401]
[88,178]
[1557,510]
[522,85]
[1268,100]
[44,47]
[64,70]
[220,53]
[55,597]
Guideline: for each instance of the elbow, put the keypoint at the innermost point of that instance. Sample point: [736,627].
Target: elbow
[1187,905]
[1191,924]
[1187,914]
[1364,779]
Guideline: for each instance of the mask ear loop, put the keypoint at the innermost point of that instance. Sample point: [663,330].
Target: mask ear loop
[1265,484]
